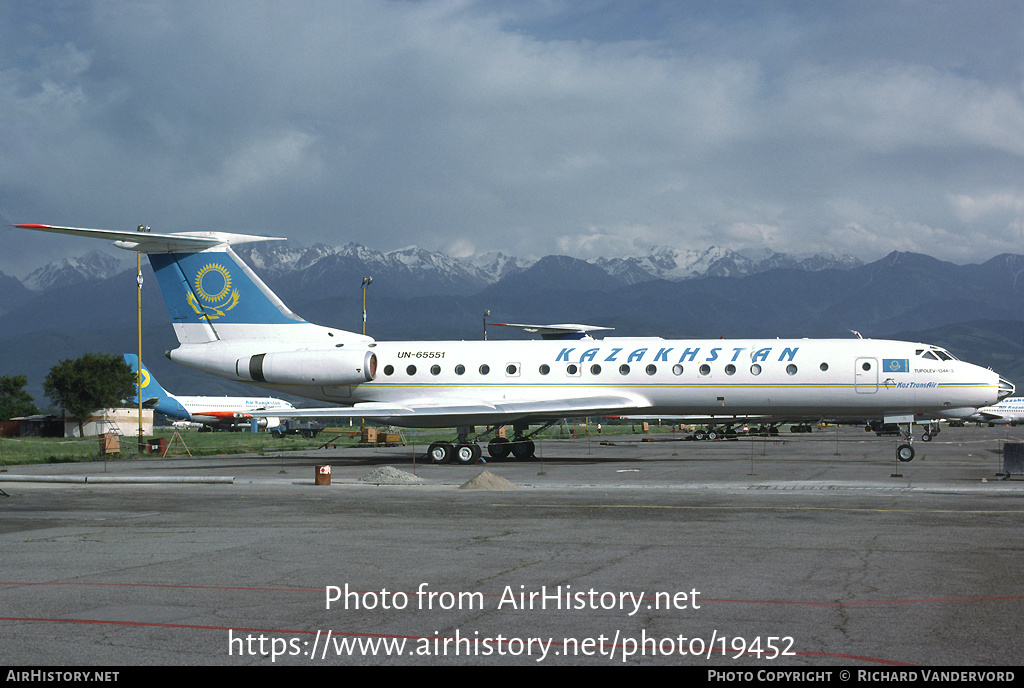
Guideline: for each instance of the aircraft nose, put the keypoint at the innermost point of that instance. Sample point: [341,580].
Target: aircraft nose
[1006,388]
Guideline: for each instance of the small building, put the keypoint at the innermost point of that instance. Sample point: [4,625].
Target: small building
[124,421]
[33,426]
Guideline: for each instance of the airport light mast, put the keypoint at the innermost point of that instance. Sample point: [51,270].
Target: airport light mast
[138,373]
[367,281]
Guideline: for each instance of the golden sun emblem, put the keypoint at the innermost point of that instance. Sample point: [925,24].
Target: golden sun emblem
[213,287]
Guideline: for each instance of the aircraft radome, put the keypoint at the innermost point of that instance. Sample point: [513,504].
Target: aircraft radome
[228,413]
[229,323]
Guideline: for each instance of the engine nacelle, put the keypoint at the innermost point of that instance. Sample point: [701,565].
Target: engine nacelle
[329,367]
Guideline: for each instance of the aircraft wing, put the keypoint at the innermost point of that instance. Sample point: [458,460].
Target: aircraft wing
[471,411]
[983,416]
[561,331]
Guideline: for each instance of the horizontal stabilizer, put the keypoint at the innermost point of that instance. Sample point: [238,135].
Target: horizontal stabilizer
[149,242]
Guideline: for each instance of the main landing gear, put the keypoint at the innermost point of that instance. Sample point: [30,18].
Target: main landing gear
[467,452]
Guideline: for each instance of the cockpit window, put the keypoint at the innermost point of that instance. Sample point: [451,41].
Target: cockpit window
[937,354]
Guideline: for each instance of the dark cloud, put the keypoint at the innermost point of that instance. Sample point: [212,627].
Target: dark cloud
[537,127]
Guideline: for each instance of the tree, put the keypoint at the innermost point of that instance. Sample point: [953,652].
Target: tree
[15,401]
[94,381]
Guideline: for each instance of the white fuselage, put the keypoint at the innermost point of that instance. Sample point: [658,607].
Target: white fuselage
[221,411]
[242,405]
[802,378]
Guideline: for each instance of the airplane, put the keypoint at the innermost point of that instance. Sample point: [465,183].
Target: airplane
[560,331]
[222,413]
[229,323]
[1008,411]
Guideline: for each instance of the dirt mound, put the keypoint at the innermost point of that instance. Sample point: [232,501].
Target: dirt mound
[488,481]
[389,475]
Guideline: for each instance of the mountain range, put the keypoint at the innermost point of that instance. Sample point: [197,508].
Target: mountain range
[66,308]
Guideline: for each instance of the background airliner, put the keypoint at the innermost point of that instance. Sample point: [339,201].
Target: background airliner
[221,413]
[1009,411]
[229,323]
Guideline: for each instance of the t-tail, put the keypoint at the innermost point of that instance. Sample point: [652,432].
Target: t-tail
[211,295]
[230,323]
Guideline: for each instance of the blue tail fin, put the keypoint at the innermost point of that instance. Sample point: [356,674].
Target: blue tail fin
[153,395]
[210,293]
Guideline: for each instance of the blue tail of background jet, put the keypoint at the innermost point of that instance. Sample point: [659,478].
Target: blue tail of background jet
[153,395]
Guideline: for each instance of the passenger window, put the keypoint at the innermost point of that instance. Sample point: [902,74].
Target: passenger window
[389,369]
[411,370]
[705,369]
[677,369]
[545,369]
[623,369]
[512,369]
[595,369]
[460,369]
[730,369]
[572,369]
[652,369]
[791,369]
[435,370]
[755,369]
[484,369]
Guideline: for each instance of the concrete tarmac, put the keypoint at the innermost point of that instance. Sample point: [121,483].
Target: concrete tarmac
[802,550]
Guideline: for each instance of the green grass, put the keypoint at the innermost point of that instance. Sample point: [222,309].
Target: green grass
[36,450]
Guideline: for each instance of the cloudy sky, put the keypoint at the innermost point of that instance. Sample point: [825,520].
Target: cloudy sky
[581,127]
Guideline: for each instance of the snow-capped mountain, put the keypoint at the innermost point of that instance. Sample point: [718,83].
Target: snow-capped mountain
[69,271]
[678,264]
[288,266]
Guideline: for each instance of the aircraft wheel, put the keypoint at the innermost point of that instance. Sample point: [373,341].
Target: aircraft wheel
[926,437]
[699,435]
[441,452]
[523,449]
[467,454]
[905,453]
[712,435]
[499,448]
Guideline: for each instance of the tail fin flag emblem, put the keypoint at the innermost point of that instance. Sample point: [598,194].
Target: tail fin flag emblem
[213,288]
